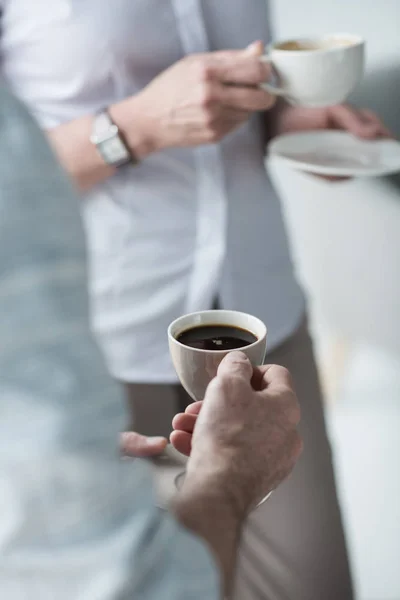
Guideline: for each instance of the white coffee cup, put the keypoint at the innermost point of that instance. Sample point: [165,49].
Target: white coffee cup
[196,367]
[316,72]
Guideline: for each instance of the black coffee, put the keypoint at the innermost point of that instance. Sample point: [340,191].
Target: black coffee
[216,337]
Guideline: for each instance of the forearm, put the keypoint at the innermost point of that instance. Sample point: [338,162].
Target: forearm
[203,508]
[80,157]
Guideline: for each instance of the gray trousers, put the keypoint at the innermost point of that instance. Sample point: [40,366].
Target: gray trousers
[293,546]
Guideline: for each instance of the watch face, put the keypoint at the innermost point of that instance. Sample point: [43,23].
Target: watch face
[114,151]
[108,141]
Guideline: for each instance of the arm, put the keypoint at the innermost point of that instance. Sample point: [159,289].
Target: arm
[284,118]
[79,156]
[203,507]
[242,442]
[75,521]
[189,104]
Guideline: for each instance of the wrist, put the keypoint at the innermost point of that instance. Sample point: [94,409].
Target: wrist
[135,126]
[206,511]
[218,474]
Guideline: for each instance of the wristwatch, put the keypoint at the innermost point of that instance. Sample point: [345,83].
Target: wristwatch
[109,141]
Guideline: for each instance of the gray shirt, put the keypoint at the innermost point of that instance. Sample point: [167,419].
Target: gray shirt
[76,522]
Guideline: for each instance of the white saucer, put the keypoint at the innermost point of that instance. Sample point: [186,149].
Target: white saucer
[336,153]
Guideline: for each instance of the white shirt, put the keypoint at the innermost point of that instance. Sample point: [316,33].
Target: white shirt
[187,225]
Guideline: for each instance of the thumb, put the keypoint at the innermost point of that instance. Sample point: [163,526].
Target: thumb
[255,49]
[236,364]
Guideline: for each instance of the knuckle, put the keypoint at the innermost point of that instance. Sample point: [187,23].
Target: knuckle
[262,71]
[265,100]
[212,134]
[204,70]
[283,374]
[209,120]
[279,369]
[266,70]
[270,101]
[217,137]
[288,378]
[284,371]
[297,447]
[295,413]
[207,96]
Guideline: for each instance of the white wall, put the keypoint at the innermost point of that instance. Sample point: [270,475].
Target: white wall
[346,243]
[346,237]
[377,20]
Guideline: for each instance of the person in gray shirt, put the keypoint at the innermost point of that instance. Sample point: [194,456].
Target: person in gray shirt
[76,522]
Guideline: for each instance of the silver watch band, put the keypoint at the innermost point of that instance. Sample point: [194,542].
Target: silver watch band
[109,142]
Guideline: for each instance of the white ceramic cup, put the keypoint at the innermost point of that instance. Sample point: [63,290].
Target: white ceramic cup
[316,72]
[196,367]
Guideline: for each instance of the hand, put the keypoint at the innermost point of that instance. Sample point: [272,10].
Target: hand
[183,425]
[199,100]
[361,122]
[243,436]
[140,446]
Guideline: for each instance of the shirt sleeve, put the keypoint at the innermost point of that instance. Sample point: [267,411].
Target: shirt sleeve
[76,522]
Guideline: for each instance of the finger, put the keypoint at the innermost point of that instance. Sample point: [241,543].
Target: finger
[235,364]
[246,98]
[277,383]
[241,67]
[275,376]
[184,422]
[194,408]
[257,379]
[255,49]
[227,127]
[141,446]
[181,441]
[372,117]
[349,119]
[230,119]
[372,123]
[234,115]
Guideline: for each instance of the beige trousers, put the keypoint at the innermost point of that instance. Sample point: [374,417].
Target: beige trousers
[293,546]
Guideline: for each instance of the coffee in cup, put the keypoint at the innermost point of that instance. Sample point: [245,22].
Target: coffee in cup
[216,337]
[310,45]
[316,72]
[198,342]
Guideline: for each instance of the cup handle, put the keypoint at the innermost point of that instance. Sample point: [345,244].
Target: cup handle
[275,91]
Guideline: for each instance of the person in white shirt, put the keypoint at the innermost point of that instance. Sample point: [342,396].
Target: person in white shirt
[192,222]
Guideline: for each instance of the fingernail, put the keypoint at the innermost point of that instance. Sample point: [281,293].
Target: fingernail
[236,356]
[255,47]
[155,440]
